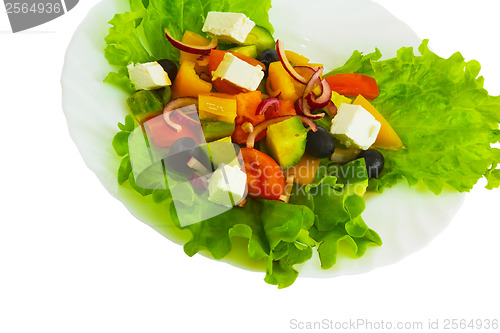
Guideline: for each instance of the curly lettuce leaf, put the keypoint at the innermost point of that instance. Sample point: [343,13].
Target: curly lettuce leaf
[123,43]
[121,80]
[329,243]
[336,199]
[276,232]
[444,116]
[493,177]
[357,63]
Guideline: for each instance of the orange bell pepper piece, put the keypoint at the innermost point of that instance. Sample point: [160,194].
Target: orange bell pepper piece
[286,109]
[246,109]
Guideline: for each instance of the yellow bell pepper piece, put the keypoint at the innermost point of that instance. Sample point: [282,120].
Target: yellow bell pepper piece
[281,81]
[187,82]
[192,39]
[218,107]
[338,99]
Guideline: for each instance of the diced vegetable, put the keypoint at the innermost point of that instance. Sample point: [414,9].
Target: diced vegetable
[215,130]
[188,83]
[265,178]
[285,109]
[161,134]
[261,38]
[247,104]
[338,99]
[296,59]
[387,137]
[304,171]
[217,106]
[145,104]
[248,51]
[192,38]
[287,141]
[279,80]
[353,84]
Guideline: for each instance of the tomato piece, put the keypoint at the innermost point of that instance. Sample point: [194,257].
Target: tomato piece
[216,57]
[264,176]
[161,135]
[353,84]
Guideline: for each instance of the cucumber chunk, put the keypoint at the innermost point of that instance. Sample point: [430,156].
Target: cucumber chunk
[261,38]
[248,50]
[215,130]
[287,141]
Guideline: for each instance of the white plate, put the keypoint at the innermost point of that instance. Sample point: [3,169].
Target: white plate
[327,31]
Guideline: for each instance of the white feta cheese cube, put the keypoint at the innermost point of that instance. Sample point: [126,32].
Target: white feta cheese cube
[227,186]
[355,127]
[148,76]
[228,27]
[239,72]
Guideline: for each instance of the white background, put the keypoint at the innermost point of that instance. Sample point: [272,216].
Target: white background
[72,259]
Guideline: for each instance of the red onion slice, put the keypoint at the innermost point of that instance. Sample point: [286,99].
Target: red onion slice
[198,183]
[179,103]
[201,170]
[195,49]
[314,81]
[331,109]
[270,91]
[280,48]
[174,126]
[309,122]
[302,108]
[309,70]
[266,123]
[319,102]
[264,105]
[314,104]
[183,117]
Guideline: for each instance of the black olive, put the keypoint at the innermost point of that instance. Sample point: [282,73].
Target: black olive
[268,56]
[170,67]
[374,162]
[320,144]
[179,154]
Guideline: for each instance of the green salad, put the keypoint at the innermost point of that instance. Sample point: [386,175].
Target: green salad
[327,136]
